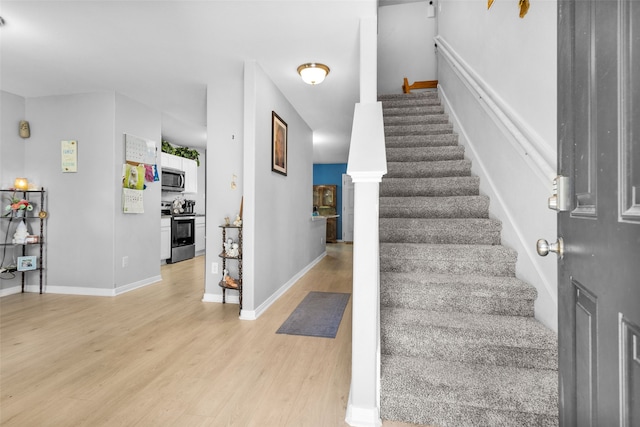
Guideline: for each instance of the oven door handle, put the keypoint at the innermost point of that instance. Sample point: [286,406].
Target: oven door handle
[183,218]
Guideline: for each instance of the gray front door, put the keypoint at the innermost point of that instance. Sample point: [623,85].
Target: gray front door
[599,150]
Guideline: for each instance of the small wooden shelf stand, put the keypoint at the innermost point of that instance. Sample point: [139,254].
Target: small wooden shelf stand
[226,257]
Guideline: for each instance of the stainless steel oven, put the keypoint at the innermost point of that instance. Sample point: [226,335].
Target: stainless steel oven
[183,238]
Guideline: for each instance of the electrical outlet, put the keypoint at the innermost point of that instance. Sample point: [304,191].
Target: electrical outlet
[125,261]
[214,268]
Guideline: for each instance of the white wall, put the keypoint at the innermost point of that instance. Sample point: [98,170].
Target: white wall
[405,46]
[498,81]
[137,236]
[280,240]
[12,110]
[86,233]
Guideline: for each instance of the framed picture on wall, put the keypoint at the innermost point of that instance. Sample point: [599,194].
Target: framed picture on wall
[278,144]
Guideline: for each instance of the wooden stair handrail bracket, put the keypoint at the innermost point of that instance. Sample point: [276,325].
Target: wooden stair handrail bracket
[427,84]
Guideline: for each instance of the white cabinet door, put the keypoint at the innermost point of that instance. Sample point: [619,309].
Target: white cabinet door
[170,161]
[190,168]
[165,238]
[200,234]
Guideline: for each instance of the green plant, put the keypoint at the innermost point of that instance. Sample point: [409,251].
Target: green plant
[186,152]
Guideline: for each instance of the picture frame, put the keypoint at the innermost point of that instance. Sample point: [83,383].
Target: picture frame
[26,263]
[279,144]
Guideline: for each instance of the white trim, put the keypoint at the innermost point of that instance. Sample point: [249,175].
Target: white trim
[362,417]
[75,290]
[136,285]
[12,290]
[528,143]
[510,218]
[254,314]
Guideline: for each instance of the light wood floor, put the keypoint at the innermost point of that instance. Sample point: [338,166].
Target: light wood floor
[159,356]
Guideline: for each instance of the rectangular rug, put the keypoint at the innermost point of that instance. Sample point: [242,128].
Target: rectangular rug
[318,315]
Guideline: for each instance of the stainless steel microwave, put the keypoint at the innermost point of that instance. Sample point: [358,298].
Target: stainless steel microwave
[172,180]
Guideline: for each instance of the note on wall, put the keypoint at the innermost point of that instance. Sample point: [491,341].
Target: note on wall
[132,201]
[139,150]
[69,156]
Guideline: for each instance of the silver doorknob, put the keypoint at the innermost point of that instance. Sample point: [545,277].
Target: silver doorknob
[543,247]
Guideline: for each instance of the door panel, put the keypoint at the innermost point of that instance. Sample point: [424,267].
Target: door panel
[630,111]
[599,149]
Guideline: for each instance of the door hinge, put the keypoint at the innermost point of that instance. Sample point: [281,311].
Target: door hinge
[561,199]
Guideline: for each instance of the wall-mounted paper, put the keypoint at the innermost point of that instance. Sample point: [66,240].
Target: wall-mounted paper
[132,201]
[69,159]
[139,150]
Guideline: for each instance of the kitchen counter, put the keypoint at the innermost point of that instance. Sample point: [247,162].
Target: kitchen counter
[322,217]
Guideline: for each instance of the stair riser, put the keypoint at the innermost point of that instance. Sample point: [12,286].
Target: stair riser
[489,397]
[428,169]
[432,187]
[444,267]
[434,207]
[416,102]
[453,345]
[430,129]
[412,111]
[443,237]
[390,121]
[420,154]
[463,303]
[433,140]
[445,414]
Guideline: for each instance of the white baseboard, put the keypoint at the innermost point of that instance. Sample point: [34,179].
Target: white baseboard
[254,314]
[362,417]
[75,290]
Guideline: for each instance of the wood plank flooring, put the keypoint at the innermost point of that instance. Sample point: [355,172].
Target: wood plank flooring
[159,356]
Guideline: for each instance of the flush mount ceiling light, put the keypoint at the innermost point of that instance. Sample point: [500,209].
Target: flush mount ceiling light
[313,73]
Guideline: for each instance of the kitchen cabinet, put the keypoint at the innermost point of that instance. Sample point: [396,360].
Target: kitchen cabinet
[190,168]
[165,238]
[200,235]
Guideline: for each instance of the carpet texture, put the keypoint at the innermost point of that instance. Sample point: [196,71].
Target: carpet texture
[318,315]
[459,344]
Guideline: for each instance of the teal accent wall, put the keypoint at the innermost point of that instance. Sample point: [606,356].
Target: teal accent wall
[331,174]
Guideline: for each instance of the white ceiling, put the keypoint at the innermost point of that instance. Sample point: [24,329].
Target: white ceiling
[162,53]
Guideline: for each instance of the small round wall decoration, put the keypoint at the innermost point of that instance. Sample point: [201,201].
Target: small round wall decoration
[42,214]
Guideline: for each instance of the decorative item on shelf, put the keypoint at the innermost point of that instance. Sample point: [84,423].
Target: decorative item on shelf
[238,221]
[17,207]
[227,221]
[230,282]
[21,184]
[21,234]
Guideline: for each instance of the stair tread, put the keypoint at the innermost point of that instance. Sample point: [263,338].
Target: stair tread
[502,295]
[425,154]
[426,140]
[503,286]
[438,223]
[435,251]
[484,386]
[500,330]
[428,169]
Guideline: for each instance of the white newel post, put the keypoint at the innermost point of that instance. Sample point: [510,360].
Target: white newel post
[367,165]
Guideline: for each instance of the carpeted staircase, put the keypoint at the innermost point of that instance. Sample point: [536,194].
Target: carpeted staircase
[460,346]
